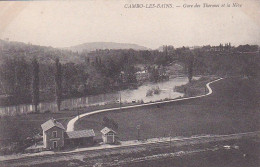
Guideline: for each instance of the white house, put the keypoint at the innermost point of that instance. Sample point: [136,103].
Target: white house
[108,135]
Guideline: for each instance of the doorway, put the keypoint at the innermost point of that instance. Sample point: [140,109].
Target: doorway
[55,144]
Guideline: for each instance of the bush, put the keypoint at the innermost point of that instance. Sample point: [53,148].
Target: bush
[16,147]
[149,92]
[156,90]
[47,111]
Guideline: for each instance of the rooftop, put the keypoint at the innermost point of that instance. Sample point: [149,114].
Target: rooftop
[106,130]
[51,123]
[80,134]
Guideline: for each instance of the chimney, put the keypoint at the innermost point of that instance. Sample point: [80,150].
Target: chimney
[54,120]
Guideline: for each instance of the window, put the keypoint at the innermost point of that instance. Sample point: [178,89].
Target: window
[54,134]
[110,134]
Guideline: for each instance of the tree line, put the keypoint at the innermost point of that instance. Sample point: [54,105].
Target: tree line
[33,80]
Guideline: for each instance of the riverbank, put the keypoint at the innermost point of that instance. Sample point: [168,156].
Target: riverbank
[195,87]
[70,126]
[127,96]
[220,113]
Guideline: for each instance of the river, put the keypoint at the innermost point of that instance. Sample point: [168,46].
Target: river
[127,96]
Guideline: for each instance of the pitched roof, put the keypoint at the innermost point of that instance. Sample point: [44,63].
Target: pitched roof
[80,134]
[106,130]
[51,123]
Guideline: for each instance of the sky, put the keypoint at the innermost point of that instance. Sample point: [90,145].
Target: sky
[69,23]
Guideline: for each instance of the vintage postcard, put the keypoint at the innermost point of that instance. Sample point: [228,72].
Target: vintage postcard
[147,83]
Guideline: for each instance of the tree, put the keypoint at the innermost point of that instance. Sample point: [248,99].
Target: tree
[250,69]
[58,83]
[100,62]
[97,62]
[190,66]
[154,77]
[110,123]
[35,84]
[130,75]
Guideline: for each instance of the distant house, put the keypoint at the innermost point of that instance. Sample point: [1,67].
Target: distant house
[54,136]
[108,135]
[142,75]
[79,138]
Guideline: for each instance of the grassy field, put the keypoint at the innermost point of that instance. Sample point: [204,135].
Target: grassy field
[233,107]
[195,87]
[19,127]
[223,158]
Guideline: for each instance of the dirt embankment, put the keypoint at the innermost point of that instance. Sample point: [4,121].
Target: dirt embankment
[195,87]
[243,144]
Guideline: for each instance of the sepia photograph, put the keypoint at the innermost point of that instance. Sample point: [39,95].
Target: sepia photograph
[130,83]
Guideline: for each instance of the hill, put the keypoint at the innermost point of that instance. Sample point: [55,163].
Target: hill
[88,47]
[45,54]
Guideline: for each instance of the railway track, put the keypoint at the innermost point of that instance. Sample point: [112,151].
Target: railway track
[122,149]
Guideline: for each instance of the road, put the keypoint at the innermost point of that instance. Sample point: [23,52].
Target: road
[71,123]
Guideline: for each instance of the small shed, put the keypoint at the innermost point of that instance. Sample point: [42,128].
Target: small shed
[80,138]
[108,135]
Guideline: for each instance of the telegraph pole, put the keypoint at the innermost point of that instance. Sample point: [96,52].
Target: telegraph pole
[170,140]
[120,102]
[120,99]
[138,132]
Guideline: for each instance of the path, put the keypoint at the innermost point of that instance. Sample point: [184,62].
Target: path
[71,123]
